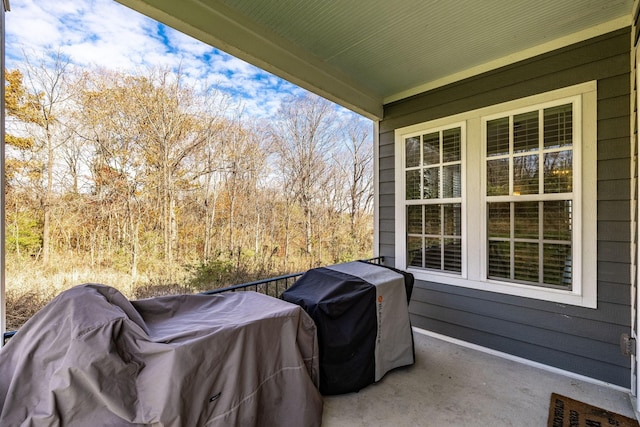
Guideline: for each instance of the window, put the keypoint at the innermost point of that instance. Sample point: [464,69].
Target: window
[433,199]
[503,198]
[529,195]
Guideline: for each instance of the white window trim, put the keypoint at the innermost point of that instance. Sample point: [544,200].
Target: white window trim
[463,132]
[584,290]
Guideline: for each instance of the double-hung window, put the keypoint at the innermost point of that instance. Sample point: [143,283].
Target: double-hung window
[529,195]
[503,198]
[433,199]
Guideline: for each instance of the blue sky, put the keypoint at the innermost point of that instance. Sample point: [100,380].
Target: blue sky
[106,34]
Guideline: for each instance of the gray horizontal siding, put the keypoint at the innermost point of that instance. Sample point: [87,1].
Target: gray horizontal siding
[614,230]
[613,148]
[615,188]
[573,338]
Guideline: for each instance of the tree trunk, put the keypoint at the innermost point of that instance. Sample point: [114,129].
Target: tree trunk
[46,223]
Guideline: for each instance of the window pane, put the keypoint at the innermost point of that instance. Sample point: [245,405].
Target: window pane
[413,185]
[414,219]
[431,148]
[525,132]
[499,260]
[558,126]
[453,255]
[498,137]
[431,182]
[451,145]
[557,265]
[558,172]
[499,219]
[498,177]
[526,261]
[414,251]
[525,175]
[452,220]
[412,151]
[432,219]
[451,181]
[557,220]
[433,254]
[526,220]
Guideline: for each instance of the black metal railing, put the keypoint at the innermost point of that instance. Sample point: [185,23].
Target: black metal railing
[273,286]
[7,335]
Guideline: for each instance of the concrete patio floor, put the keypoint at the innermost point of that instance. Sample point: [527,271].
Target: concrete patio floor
[453,385]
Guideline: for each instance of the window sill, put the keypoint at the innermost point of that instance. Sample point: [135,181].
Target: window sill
[526,291]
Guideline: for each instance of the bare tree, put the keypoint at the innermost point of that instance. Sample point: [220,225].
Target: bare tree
[357,166]
[243,160]
[208,163]
[109,127]
[46,79]
[174,122]
[144,174]
[304,134]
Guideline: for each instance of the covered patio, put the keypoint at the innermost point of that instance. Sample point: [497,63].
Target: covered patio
[498,344]
[457,385]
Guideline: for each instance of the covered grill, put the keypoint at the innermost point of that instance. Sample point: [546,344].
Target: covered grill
[361,314]
[91,357]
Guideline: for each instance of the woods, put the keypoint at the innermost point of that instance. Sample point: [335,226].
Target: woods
[162,185]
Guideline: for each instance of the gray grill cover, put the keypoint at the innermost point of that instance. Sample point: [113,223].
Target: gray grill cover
[93,358]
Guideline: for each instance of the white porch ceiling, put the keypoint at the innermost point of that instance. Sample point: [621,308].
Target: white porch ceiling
[363,54]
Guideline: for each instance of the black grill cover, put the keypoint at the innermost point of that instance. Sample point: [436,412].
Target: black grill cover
[361,315]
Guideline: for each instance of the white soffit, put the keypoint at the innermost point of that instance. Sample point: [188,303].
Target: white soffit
[362,54]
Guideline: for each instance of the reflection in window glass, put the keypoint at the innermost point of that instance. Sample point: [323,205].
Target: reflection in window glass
[498,177]
[431,183]
[452,219]
[526,261]
[557,220]
[433,254]
[499,219]
[499,260]
[525,132]
[498,137]
[558,172]
[451,140]
[414,219]
[432,219]
[412,151]
[558,126]
[414,251]
[525,175]
[557,265]
[412,185]
[451,181]
[452,255]
[431,147]
[525,220]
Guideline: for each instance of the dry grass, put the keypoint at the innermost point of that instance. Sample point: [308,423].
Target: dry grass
[29,286]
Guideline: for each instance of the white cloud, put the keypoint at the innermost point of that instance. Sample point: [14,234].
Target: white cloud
[107,34]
